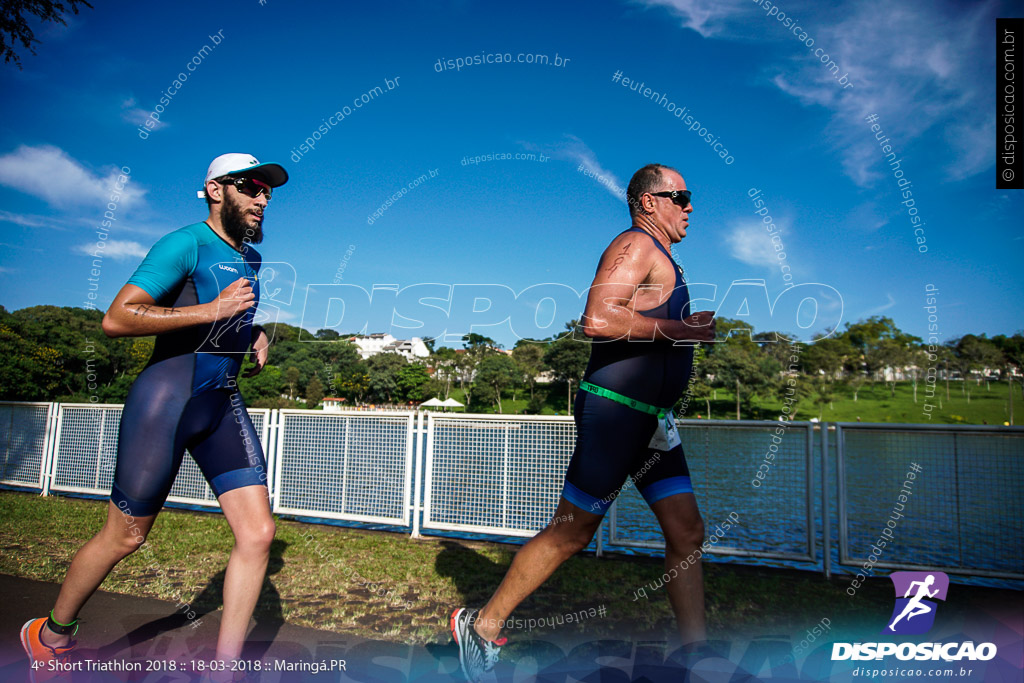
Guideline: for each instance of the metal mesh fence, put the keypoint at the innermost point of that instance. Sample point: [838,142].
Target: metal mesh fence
[85,455]
[963,511]
[498,475]
[960,509]
[355,466]
[24,428]
[775,517]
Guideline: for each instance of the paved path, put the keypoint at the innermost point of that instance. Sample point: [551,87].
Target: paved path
[123,628]
[127,631]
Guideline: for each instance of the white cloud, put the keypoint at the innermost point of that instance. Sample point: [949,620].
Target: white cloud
[49,173]
[575,150]
[972,142]
[901,70]
[881,309]
[604,177]
[8,245]
[76,223]
[137,115]
[750,243]
[706,17]
[120,250]
[283,316]
[31,220]
[922,67]
[867,218]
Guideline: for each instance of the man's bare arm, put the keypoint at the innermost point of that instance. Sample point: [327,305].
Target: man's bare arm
[134,313]
[610,311]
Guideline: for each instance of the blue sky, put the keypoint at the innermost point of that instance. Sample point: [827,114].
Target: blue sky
[925,70]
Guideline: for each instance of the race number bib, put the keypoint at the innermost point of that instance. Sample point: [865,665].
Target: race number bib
[666,436]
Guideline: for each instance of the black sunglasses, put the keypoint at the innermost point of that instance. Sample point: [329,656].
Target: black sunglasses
[250,187]
[679,197]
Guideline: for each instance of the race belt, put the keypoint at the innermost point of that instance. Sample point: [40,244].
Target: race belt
[624,400]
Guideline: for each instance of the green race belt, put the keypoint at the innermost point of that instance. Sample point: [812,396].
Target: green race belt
[624,400]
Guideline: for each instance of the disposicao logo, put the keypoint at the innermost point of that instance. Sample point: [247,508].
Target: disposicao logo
[914,614]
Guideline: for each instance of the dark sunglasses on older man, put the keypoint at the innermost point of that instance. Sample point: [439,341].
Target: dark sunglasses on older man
[250,187]
[679,197]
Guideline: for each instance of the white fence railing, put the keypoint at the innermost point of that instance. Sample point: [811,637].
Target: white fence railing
[949,497]
[26,436]
[494,474]
[501,475]
[355,466]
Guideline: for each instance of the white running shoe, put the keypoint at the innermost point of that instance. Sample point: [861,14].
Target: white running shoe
[476,655]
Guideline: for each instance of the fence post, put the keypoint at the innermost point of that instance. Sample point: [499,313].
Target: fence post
[278,459]
[417,464]
[812,533]
[504,478]
[344,464]
[49,446]
[51,468]
[841,495]
[826,522]
[99,449]
[270,453]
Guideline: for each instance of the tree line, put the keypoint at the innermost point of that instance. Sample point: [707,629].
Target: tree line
[61,354]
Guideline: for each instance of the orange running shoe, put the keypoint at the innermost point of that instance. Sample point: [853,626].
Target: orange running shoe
[45,663]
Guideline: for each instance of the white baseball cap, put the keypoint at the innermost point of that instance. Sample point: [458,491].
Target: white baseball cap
[237,164]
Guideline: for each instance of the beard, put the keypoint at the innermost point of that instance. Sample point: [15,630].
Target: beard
[234,220]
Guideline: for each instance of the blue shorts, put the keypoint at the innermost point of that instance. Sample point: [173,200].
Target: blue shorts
[612,444]
[162,418]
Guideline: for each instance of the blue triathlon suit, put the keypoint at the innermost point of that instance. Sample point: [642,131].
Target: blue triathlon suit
[187,396]
[611,438]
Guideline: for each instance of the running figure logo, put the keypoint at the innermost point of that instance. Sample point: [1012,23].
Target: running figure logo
[914,613]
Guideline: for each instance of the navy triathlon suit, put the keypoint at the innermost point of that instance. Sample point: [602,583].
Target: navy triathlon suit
[187,396]
[611,438]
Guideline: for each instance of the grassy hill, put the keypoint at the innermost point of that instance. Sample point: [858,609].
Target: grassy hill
[987,403]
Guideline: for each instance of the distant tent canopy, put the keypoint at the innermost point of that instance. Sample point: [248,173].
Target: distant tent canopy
[433,403]
[438,403]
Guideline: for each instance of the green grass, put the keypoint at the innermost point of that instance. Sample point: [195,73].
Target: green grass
[553,395]
[316,577]
[875,403]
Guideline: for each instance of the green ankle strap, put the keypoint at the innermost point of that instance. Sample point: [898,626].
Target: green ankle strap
[61,629]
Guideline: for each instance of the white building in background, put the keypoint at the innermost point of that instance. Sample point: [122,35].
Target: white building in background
[382,342]
[334,405]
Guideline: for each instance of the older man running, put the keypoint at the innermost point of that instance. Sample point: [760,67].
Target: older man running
[639,367]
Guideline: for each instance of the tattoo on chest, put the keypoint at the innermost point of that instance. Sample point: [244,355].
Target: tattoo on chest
[619,258]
